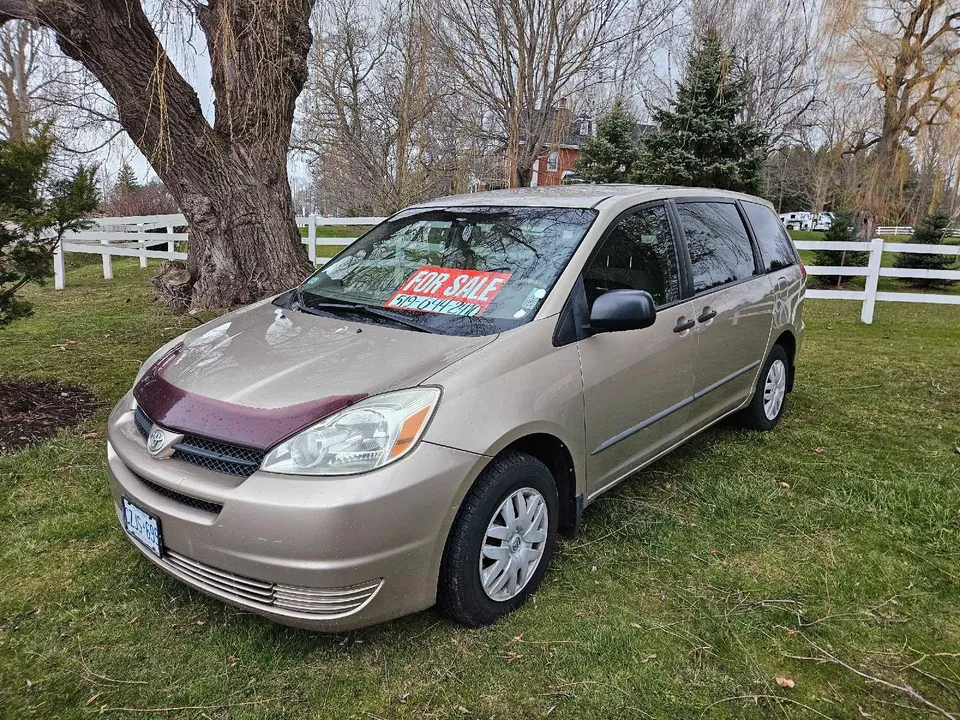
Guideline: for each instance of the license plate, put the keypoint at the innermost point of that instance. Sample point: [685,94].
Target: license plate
[142,526]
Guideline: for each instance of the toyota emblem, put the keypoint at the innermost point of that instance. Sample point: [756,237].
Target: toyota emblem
[155,441]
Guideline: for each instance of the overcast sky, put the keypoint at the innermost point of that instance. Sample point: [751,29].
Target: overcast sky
[187,50]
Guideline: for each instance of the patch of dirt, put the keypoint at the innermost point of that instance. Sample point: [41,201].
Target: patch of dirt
[33,410]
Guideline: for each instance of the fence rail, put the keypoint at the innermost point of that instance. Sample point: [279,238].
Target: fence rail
[908,230]
[138,237]
[129,237]
[869,296]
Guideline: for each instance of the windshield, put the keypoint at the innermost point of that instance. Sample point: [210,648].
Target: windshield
[462,271]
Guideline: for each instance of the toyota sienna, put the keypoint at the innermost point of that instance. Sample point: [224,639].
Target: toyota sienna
[419,420]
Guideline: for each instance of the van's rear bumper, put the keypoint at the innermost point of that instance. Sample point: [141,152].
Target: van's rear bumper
[321,553]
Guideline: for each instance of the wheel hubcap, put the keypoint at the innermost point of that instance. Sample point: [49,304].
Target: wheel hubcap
[774,389]
[513,544]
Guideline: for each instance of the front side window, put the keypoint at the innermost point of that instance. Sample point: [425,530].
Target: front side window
[720,249]
[776,247]
[461,271]
[638,254]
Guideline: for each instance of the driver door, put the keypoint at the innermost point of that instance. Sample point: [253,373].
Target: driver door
[637,384]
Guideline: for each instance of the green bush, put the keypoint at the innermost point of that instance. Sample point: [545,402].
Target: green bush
[931,231]
[36,210]
[843,229]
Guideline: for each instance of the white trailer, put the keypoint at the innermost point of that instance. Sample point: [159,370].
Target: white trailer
[807,220]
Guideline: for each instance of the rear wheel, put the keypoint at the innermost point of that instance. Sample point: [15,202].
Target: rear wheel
[766,405]
[501,541]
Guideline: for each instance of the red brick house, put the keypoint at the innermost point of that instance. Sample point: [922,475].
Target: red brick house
[559,158]
[557,164]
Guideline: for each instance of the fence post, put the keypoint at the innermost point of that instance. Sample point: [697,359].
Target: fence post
[107,261]
[312,239]
[142,243]
[59,268]
[873,278]
[171,245]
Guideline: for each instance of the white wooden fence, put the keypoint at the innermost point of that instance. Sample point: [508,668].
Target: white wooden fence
[128,237]
[869,296]
[908,230]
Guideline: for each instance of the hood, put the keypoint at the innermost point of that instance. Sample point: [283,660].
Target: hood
[265,366]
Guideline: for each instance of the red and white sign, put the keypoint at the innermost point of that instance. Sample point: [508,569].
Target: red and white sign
[448,291]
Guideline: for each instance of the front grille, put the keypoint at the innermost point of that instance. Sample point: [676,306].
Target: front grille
[321,602]
[205,505]
[218,456]
[209,454]
[142,422]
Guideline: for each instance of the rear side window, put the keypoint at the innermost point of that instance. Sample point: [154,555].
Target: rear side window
[776,247]
[638,254]
[720,249]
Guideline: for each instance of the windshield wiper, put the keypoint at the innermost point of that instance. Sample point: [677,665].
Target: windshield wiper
[364,310]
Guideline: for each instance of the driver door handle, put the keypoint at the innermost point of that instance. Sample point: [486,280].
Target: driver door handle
[708,314]
[683,326]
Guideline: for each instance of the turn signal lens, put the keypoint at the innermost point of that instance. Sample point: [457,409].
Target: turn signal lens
[409,432]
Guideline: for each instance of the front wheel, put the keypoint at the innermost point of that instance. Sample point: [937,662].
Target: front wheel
[501,541]
[766,405]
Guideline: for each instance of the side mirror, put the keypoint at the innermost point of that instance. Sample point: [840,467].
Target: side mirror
[619,310]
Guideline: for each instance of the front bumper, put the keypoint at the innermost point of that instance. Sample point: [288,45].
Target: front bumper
[321,553]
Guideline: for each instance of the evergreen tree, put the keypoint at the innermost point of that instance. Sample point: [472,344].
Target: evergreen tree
[702,140]
[126,180]
[610,156]
[35,212]
[843,229]
[931,231]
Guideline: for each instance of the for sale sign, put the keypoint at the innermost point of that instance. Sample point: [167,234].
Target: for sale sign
[448,291]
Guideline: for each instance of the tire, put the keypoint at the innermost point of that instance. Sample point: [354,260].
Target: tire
[461,594]
[759,414]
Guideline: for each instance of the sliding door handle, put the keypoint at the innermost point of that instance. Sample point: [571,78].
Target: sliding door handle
[684,325]
[708,314]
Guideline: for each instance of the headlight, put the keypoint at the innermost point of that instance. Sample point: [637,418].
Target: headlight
[360,438]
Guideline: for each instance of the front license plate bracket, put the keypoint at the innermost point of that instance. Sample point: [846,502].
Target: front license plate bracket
[143,526]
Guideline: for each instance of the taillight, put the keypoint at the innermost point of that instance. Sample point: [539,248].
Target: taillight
[803,272]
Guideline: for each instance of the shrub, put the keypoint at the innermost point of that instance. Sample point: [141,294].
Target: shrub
[35,213]
[843,229]
[931,231]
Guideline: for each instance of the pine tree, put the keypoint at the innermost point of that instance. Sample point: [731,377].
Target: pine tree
[843,229]
[931,231]
[610,156]
[126,180]
[35,213]
[702,139]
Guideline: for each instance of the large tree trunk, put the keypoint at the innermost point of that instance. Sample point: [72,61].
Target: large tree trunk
[229,179]
[250,243]
[523,176]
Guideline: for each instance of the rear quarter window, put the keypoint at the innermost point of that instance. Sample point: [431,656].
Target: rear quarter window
[776,247]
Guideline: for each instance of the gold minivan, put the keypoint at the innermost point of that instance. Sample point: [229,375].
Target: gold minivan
[419,420]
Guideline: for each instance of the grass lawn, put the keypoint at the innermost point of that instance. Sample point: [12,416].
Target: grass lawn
[692,588]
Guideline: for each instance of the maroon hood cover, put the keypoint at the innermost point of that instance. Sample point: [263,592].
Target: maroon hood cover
[259,428]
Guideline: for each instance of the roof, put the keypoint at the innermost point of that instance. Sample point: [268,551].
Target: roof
[576,196]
